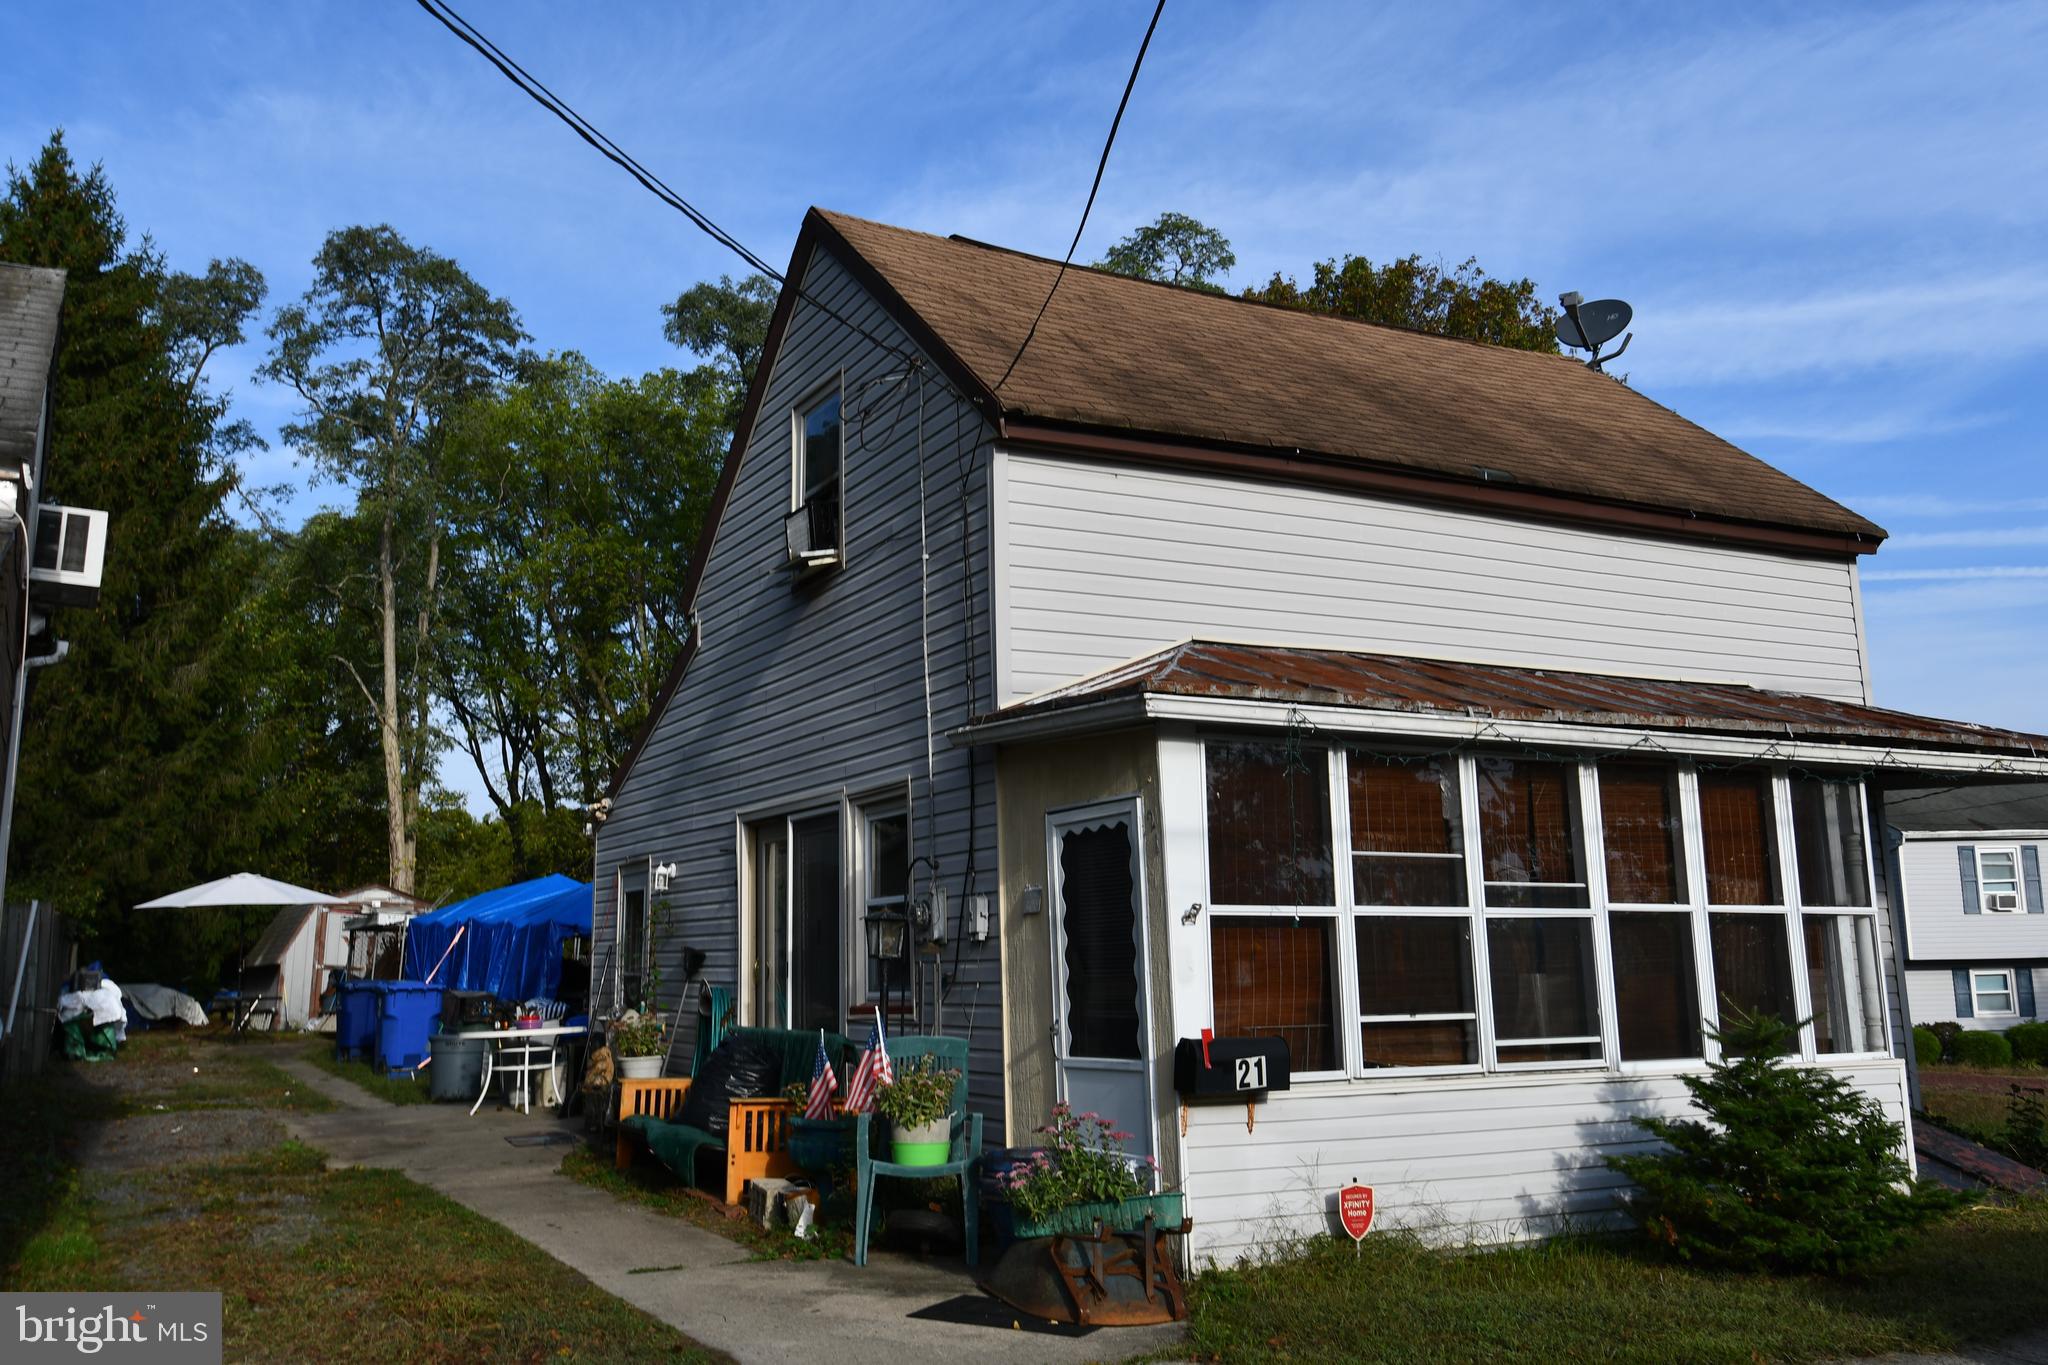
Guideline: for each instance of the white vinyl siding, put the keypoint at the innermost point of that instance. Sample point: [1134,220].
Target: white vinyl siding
[1492,1159]
[1938,930]
[1931,995]
[1100,563]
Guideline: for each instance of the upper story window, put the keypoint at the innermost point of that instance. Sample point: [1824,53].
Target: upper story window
[815,527]
[1998,879]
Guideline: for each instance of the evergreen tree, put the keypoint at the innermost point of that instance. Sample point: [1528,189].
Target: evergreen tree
[132,777]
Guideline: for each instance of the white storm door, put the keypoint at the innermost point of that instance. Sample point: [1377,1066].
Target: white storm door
[1101,1006]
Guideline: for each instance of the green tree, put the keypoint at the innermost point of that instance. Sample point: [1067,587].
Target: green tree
[1462,302]
[1787,1167]
[726,324]
[575,504]
[388,341]
[1174,249]
[134,767]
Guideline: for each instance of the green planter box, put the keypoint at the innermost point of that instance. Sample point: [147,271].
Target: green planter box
[1126,1216]
[818,1145]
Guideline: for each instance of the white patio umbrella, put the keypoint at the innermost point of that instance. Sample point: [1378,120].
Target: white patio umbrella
[243,890]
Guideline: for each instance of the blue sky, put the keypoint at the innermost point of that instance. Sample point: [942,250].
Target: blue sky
[1831,220]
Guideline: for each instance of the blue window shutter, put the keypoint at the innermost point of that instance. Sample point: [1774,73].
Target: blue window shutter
[1966,855]
[2023,984]
[2030,872]
[1963,1009]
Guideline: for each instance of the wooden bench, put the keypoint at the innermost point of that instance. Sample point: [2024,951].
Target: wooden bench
[756,1139]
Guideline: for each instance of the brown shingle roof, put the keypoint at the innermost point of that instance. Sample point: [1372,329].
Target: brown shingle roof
[1386,682]
[1129,356]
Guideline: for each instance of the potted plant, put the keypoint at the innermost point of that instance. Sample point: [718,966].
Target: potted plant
[1084,1177]
[637,1042]
[919,1107]
[820,1147]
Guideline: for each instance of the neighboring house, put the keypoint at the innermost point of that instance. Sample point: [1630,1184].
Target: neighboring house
[1455,714]
[1976,920]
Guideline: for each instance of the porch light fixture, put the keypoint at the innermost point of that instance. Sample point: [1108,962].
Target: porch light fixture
[888,934]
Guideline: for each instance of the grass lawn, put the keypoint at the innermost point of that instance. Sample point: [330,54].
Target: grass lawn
[313,1264]
[1974,1278]
[391,1089]
[1972,1100]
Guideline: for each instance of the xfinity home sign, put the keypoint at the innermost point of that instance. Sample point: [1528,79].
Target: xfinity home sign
[176,1329]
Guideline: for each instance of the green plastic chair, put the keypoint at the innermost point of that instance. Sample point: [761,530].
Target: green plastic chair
[963,1157]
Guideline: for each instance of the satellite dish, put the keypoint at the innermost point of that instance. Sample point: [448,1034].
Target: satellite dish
[1598,323]
[1589,326]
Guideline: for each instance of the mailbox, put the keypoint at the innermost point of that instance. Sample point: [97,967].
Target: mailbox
[1232,1069]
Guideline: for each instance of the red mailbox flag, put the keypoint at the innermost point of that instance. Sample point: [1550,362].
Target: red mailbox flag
[1354,1208]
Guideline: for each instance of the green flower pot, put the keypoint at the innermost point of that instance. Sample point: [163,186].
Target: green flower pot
[819,1145]
[1126,1215]
[928,1144]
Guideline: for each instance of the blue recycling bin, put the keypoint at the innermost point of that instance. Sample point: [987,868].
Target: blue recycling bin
[355,1020]
[405,1018]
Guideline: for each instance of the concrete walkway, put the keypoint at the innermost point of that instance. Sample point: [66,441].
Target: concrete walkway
[693,1279]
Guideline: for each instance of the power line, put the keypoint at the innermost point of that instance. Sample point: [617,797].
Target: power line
[539,93]
[1100,167]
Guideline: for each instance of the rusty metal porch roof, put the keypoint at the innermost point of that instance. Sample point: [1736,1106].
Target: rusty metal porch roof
[1439,688]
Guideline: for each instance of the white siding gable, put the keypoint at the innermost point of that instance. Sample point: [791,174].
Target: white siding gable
[1938,929]
[1099,563]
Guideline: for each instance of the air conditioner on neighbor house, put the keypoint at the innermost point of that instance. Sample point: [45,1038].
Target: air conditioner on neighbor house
[807,534]
[2002,900]
[71,547]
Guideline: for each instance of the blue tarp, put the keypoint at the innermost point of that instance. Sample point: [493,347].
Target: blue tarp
[513,947]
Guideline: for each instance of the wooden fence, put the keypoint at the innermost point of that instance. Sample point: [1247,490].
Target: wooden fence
[35,957]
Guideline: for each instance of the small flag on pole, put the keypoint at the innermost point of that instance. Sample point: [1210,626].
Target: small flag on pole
[871,1072]
[823,1085]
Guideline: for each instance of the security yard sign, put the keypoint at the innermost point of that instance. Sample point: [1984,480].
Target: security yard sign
[1354,1210]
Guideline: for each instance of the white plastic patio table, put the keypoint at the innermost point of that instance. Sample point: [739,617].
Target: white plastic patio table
[502,1037]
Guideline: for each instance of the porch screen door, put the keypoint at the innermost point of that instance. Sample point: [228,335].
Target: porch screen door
[1100,992]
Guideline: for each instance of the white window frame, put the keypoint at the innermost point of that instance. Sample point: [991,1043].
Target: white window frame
[1590,832]
[751,828]
[865,812]
[1350,912]
[2011,994]
[799,495]
[2016,880]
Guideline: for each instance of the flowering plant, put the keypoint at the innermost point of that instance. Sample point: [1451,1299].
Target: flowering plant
[921,1093]
[637,1035]
[1083,1162]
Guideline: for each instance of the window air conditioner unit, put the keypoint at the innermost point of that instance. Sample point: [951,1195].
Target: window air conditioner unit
[807,549]
[2002,900]
[71,547]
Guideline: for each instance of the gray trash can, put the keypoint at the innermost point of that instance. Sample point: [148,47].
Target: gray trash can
[458,1067]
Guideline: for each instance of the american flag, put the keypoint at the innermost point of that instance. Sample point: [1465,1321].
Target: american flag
[823,1084]
[872,1071]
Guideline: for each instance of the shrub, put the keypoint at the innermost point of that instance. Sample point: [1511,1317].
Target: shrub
[2025,1137]
[1787,1168]
[2029,1043]
[1975,1047]
[1926,1045]
[1948,1030]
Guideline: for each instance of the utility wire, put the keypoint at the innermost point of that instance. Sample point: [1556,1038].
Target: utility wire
[539,93]
[1100,167]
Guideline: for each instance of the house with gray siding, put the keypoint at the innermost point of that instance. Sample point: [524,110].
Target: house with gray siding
[1974,916]
[1451,723]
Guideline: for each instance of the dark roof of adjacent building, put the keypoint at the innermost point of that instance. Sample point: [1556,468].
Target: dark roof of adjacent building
[1132,357]
[1386,682]
[2017,805]
[31,302]
[279,935]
